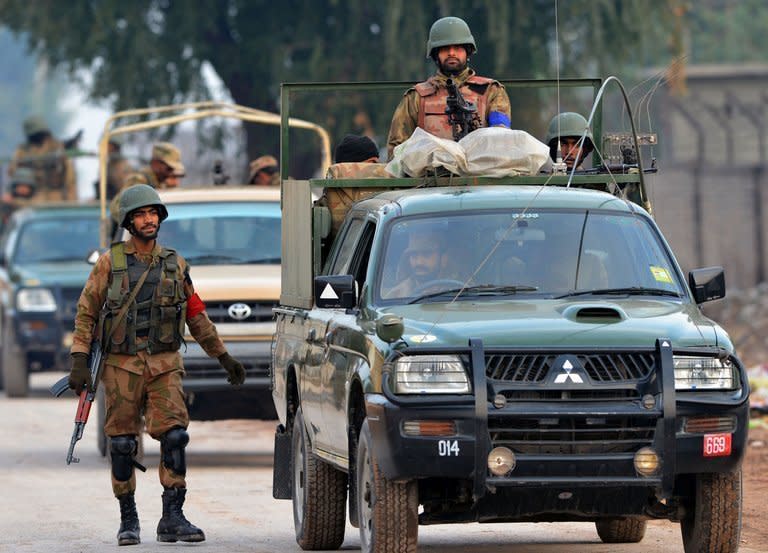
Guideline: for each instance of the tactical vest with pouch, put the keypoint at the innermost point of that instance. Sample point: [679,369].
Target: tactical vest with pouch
[155,319]
[433,100]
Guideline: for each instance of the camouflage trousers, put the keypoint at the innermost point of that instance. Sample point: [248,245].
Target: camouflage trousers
[159,397]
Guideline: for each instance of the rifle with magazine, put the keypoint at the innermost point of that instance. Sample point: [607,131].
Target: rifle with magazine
[462,115]
[95,364]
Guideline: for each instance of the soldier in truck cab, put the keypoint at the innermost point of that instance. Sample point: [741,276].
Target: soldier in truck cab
[421,263]
[450,46]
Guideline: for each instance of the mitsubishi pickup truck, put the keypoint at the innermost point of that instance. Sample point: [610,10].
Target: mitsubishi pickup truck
[518,349]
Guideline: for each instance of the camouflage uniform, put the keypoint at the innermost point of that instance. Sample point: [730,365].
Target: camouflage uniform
[54,171]
[489,95]
[340,200]
[148,382]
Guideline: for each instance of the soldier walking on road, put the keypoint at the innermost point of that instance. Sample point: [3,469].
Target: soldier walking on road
[146,293]
[450,46]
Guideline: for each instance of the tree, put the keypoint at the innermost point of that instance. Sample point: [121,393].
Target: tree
[149,52]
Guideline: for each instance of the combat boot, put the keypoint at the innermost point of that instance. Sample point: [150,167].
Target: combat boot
[174,526]
[128,534]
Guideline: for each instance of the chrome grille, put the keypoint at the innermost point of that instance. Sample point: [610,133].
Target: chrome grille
[601,367]
[261,311]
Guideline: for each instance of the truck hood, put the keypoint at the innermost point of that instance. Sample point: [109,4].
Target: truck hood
[236,282]
[626,322]
[67,274]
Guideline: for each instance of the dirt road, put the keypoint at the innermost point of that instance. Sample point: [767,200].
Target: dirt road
[49,507]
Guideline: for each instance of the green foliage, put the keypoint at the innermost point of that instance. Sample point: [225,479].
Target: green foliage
[149,52]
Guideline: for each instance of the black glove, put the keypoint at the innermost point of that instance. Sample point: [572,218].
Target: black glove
[234,369]
[80,374]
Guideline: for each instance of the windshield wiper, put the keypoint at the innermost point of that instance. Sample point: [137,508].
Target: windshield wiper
[209,258]
[60,259]
[629,291]
[478,290]
[263,261]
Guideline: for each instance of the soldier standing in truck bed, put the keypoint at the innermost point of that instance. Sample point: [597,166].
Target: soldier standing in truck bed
[47,158]
[164,171]
[450,46]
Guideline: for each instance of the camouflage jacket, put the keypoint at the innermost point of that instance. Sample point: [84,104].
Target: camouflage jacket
[406,116]
[92,300]
[50,163]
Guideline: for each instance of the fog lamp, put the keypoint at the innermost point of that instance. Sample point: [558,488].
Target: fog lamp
[647,462]
[501,461]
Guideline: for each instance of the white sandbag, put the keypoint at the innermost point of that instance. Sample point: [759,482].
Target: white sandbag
[500,152]
[424,151]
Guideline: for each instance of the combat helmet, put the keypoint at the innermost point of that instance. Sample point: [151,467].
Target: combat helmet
[34,125]
[23,176]
[570,124]
[450,30]
[135,197]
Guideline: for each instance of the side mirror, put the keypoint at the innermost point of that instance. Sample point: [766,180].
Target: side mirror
[335,291]
[707,284]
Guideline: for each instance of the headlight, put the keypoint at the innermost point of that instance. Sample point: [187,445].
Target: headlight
[431,374]
[35,299]
[704,373]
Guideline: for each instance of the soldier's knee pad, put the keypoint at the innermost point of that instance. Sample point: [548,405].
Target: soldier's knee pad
[172,445]
[123,449]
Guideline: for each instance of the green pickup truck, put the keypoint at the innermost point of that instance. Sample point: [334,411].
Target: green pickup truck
[501,350]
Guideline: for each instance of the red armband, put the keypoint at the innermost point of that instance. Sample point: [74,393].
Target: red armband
[195,306]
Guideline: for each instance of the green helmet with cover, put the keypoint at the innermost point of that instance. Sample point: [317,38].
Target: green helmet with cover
[135,197]
[450,30]
[570,124]
[23,175]
[34,125]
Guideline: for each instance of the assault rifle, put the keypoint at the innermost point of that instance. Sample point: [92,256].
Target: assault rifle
[86,398]
[462,115]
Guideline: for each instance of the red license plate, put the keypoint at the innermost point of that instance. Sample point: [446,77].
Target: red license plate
[717,445]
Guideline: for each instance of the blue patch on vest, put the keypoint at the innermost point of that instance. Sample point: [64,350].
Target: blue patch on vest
[498,118]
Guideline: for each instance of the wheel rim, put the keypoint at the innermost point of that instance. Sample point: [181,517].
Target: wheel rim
[365,503]
[299,480]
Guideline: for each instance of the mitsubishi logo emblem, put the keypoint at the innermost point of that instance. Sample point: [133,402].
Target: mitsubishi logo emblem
[239,311]
[566,375]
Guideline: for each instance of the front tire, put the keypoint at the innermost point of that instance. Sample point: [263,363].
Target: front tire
[713,519]
[15,376]
[319,495]
[387,511]
[621,530]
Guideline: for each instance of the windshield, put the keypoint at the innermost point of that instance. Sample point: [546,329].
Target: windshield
[224,233]
[545,253]
[57,239]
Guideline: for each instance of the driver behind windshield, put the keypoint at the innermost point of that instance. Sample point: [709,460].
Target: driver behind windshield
[421,264]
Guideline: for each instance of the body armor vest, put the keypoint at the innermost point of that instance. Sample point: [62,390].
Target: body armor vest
[48,164]
[433,102]
[158,312]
